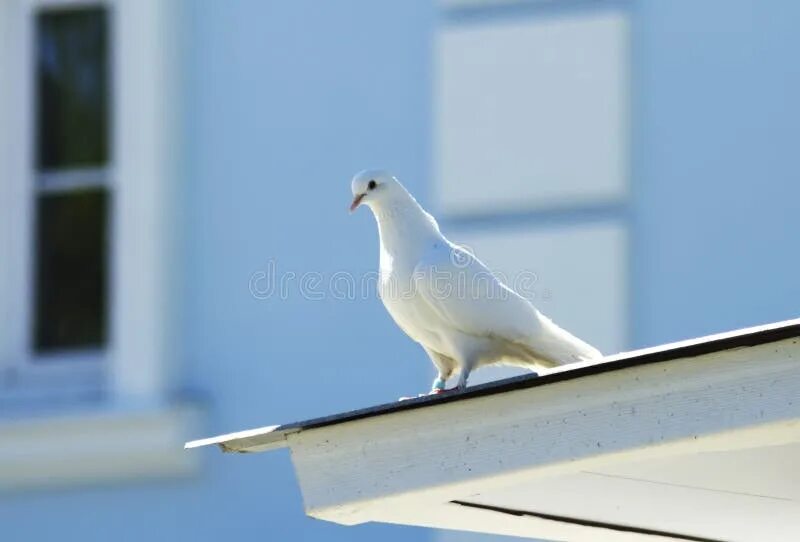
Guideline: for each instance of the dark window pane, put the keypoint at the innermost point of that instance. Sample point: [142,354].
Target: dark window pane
[72,270]
[72,86]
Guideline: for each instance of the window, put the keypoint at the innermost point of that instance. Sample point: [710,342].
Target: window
[72,180]
[87,137]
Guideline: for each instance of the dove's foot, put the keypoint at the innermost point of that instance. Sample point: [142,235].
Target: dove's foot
[438,385]
[434,391]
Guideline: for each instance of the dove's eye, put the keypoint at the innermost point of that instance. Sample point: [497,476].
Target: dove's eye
[371,185]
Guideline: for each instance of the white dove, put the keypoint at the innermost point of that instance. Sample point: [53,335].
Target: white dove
[447,300]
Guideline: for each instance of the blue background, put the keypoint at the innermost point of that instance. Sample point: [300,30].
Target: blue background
[284,101]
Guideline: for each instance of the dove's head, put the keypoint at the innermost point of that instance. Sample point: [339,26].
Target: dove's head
[375,188]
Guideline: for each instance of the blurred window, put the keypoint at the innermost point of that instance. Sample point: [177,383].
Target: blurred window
[86,95]
[72,189]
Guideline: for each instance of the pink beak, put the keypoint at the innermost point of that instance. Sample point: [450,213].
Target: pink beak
[356,202]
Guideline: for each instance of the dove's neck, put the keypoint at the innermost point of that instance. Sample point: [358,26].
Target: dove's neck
[405,229]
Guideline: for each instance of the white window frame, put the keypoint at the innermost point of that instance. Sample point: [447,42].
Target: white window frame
[30,374]
[132,374]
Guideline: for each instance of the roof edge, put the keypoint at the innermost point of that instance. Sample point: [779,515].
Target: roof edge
[274,436]
[261,439]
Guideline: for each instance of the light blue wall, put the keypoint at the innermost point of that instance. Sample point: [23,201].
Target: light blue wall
[285,100]
[716,173]
[288,100]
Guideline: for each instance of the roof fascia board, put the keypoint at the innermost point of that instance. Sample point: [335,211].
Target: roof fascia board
[364,470]
[272,437]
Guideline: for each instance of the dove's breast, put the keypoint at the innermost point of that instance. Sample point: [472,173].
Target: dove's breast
[411,313]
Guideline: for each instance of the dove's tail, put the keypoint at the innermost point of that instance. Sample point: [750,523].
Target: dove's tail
[551,346]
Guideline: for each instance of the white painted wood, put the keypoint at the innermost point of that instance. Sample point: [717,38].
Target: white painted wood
[406,465]
[772,472]
[272,436]
[675,446]
[15,183]
[532,113]
[145,147]
[671,505]
[90,447]
[459,518]
[252,440]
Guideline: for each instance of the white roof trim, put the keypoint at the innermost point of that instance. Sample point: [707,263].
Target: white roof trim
[505,457]
[274,436]
[261,439]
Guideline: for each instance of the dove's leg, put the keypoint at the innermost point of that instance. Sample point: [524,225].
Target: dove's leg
[445,365]
[469,351]
[466,368]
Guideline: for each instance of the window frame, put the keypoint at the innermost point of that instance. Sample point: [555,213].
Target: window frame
[78,370]
[128,424]
[132,367]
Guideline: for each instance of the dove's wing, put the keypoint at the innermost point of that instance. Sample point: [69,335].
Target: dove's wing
[467,297]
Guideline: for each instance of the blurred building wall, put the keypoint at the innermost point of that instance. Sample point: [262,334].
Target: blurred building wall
[716,175]
[281,102]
